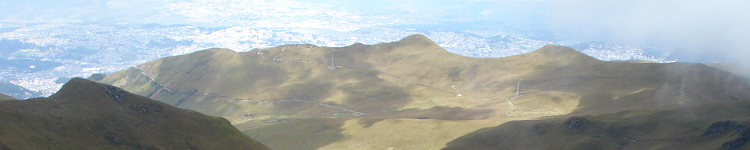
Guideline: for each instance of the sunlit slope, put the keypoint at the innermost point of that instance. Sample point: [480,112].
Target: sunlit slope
[88,115]
[363,78]
[380,96]
[6,97]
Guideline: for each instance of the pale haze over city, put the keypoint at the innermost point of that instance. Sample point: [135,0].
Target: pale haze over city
[45,41]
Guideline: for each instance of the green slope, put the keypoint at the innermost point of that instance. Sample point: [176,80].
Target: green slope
[88,115]
[410,94]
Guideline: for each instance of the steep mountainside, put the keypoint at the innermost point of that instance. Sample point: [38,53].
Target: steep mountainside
[89,115]
[411,94]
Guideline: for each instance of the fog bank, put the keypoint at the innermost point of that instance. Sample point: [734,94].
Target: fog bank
[694,27]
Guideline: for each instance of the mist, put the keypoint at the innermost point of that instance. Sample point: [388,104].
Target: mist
[701,31]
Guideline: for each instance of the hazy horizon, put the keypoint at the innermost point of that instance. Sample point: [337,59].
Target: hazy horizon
[663,31]
[696,26]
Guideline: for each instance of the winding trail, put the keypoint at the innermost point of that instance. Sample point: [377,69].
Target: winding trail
[454,88]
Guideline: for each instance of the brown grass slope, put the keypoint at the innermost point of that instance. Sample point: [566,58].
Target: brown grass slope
[412,82]
[89,115]
[6,97]
[213,80]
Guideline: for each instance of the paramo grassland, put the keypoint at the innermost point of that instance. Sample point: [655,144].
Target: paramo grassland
[412,94]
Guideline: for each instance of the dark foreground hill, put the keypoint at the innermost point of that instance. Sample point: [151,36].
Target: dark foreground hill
[722,125]
[412,94]
[89,115]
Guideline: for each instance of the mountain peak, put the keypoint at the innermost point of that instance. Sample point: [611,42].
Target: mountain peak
[557,50]
[416,39]
[89,115]
[77,83]
[82,89]
[561,52]
[417,36]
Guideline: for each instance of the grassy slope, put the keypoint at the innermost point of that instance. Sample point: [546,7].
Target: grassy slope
[83,115]
[6,97]
[732,67]
[404,85]
[13,90]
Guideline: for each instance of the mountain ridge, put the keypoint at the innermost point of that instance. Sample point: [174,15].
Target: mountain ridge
[88,115]
[363,92]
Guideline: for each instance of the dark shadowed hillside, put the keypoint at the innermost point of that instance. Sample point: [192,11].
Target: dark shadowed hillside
[89,115]
[707,126]
[412,94]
